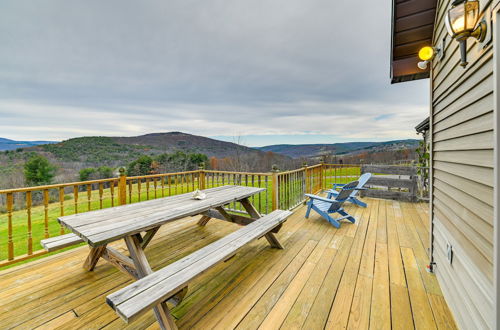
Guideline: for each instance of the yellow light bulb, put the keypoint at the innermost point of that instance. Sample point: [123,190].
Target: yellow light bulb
[426,53]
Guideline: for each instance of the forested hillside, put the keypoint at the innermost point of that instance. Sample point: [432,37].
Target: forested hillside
[319,150]
[97,157]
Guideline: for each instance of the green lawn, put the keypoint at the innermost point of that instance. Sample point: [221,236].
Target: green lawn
[20,218]
[291,194]
[340,175]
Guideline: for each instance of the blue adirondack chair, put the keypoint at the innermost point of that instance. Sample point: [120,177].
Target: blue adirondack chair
[352,197]
[326,206]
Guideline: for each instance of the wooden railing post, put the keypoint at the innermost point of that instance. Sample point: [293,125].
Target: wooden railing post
[122,187]
[322,175]
[10,242]
[201,176]
[308,181]
[275,188]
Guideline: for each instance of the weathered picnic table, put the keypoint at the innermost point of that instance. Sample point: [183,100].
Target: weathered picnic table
[138,223]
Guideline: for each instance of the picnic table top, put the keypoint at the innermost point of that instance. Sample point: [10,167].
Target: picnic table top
[104,226]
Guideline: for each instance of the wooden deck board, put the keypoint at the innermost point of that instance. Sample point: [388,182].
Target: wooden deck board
[370,274]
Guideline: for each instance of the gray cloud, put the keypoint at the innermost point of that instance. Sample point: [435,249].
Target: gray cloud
[208,67]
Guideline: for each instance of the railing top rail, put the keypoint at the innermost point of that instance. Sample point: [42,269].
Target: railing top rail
[244,173]
[314,166]
[344,165]
[57,185]
[389,169]
[151,176]
[292,171]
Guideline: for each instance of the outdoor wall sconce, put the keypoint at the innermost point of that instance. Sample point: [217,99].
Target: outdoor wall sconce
[461,23]
[426,54]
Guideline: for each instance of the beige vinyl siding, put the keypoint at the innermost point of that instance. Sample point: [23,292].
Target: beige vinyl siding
[462,160]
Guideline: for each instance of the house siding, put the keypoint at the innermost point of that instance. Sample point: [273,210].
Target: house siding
[462,124]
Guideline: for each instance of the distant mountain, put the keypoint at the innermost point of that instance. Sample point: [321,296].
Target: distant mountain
[6,144]
[94,151]
[317,150]
[172,141]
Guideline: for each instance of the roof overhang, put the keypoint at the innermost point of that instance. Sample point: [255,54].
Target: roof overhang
[423,126]
[412,29]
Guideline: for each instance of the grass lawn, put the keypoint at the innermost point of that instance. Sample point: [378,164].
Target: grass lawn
[20,218]
[291,194]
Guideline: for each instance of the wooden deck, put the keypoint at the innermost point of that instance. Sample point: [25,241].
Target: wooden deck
[365,275]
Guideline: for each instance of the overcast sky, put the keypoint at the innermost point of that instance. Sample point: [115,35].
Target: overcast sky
[269,71]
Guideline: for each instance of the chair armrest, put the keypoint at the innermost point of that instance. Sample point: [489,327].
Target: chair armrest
[323,199]
[362,188]
[338,185]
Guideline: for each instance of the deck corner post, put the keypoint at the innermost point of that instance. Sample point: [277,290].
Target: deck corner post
[122,187]
[322,175]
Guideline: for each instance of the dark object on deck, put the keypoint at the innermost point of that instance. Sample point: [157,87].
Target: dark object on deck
[409,184]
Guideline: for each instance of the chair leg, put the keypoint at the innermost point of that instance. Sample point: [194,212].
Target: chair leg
[334,222]
[328,218]
[358,202]
[309,207]
[345,214]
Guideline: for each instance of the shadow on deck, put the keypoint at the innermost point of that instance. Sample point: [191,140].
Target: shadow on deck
[366,275]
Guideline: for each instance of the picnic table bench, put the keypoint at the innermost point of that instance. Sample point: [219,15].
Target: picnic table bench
[138,223]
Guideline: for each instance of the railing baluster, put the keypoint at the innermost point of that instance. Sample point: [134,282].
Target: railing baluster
[183,177]
[253,185]
[75,198]
[169,178]
[176,180]
[147,189]
[101,192]
[46,212]
[89,197]
[10,242]
[155,185]
[162,186]
[28,211]
[289,191]
[130,191]
[139,190]
[112,192]
[61,208]
[268,191]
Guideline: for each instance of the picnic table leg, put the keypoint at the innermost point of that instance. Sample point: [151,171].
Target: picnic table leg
[148,237]
[165,319]
[93,257]
[252,211]
[203,220]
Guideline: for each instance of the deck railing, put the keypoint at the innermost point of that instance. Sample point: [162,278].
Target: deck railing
[28,215]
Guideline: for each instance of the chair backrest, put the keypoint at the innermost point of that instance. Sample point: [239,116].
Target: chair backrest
[342,196]
[364,179]
[346,191]
[361,182]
